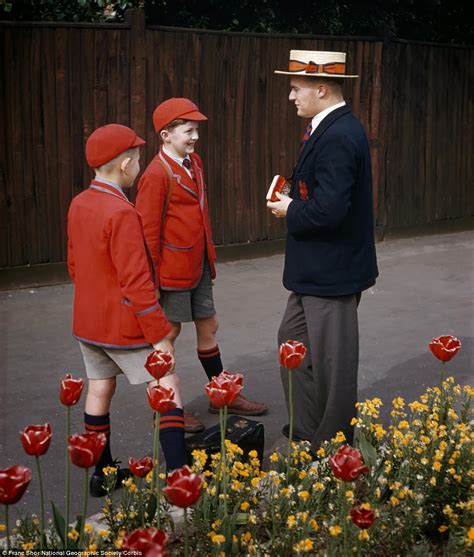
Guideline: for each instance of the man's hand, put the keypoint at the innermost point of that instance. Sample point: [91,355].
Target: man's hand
[280,208]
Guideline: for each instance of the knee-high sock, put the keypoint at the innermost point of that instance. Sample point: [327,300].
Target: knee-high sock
[172,438]
[100,424]
[211,361]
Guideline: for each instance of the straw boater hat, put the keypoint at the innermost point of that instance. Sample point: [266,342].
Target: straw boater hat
[316,63]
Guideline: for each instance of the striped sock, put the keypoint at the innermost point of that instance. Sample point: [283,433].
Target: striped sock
[211,361]
[100,424]
[172,438]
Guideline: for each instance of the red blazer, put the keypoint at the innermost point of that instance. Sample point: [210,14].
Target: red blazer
[176,245]
[115,304]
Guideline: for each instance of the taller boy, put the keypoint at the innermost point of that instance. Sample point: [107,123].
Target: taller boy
[172,202]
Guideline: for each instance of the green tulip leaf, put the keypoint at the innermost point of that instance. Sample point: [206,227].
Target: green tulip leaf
[368,451]
[59,522]
[151,507]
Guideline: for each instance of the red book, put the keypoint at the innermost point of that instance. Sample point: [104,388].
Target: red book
[279,184]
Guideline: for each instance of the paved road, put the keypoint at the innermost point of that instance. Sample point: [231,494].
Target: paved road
[425,289]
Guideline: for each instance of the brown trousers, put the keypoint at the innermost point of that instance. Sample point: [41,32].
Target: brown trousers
[325,386]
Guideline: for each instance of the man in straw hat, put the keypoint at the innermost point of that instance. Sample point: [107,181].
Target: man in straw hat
[330,251]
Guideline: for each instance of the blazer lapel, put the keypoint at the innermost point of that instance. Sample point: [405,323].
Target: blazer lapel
[318,132]
[182,177]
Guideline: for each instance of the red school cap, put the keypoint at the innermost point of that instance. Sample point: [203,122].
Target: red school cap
[176,107]
[107,142]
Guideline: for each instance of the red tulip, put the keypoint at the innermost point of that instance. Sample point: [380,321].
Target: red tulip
[224,389]
[445,347]
[13,483]
[347,464]
[36,439]
[85,450]
[70,390]
[140,467]
[183,487]
[160,399]
[363,518]
[159,363]
[147,542]
[292,353]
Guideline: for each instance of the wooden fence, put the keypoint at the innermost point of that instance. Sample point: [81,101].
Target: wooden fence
[58,82]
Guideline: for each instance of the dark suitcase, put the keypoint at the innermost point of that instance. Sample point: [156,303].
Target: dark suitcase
[249,435]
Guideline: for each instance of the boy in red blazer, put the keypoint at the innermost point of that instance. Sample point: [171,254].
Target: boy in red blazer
[173,206]
[117,318]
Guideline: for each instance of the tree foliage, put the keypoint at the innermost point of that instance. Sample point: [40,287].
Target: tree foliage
[428,20]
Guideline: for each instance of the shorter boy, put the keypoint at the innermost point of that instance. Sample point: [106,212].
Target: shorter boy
[116,317]
[172,203]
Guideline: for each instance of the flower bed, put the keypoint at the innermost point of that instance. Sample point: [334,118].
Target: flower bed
[402,490]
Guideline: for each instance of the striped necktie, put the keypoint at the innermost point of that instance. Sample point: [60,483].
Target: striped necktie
[187,164]
[306,136]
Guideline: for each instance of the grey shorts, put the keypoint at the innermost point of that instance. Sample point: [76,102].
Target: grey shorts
[105,363]
[184,306]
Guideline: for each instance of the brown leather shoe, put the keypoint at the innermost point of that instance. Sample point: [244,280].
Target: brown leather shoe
[192,424]
[243,407]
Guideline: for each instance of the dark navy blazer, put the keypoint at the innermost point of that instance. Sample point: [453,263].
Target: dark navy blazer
[330,249]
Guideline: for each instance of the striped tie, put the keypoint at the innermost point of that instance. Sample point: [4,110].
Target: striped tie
[187,164]
[306,136]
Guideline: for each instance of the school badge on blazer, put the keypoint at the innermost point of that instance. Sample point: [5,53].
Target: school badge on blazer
[249,435]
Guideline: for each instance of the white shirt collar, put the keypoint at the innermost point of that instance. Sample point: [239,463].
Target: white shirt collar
[321,115]
[110,183]
[179,160]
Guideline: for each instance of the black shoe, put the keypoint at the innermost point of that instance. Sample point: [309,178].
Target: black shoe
[286,432]
[97,483]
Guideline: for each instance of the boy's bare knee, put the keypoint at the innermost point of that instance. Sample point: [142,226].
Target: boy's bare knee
[175,330]
[102,388]
[207,326]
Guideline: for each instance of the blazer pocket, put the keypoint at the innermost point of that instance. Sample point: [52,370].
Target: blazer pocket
[129,326]
[176,261]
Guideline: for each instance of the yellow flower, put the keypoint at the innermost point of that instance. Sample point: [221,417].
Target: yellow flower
[103,533]
[2,527]
[218,538]
[236,485]
[437,466]
[443,528]
[302,475]
[215,525]
[335,530]
[314,525]
[303,495]
[349,495]
[73,534]
[363,535]
[88,528]
[149,477]
[119,516]
[433,481]
[303,546]
[118,543]
[252,518]
[321,452]
[246,537]
[403,425]
[27,546]
[318,486]
[398,403]
[340,437]
[274,457]
[244,506]
[109,470]
[92,547]
[302,516]
[470,534]
[291,521]
[394,501]
[253,454]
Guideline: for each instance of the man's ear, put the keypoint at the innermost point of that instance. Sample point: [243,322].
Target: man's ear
[164,134]
[124,163]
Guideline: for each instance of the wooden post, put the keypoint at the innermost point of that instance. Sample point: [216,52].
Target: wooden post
[136,19]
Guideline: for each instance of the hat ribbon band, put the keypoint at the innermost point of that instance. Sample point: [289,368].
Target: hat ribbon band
[336,68]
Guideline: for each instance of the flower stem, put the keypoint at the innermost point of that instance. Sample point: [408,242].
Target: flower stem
[186,533]
[8,527]
[156,469]
[84,512]
[290,432]
[223,424]
[40,480]
[68,476]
